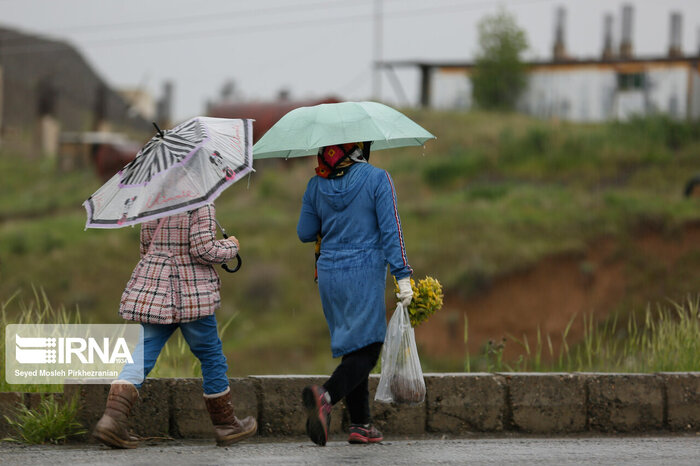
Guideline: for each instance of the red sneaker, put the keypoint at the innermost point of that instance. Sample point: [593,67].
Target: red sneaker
[364,434]
[318,411]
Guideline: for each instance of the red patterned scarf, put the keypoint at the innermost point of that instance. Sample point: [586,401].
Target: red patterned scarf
[333,160]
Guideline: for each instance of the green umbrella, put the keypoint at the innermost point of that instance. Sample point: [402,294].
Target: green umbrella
[303,130]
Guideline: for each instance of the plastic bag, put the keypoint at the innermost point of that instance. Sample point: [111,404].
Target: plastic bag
[401,380]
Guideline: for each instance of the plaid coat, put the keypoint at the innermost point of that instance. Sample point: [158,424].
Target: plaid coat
[175,280]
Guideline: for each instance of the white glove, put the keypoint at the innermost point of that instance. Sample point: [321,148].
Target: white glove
[405,293]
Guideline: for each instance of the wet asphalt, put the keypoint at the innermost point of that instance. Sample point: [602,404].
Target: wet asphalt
[516,450]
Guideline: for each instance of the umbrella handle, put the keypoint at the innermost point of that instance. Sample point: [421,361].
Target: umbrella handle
[235,269]
[238,258]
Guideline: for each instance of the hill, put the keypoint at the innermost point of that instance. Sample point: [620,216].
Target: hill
[491,199]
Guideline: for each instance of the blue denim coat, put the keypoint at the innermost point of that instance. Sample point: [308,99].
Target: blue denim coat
[358,220]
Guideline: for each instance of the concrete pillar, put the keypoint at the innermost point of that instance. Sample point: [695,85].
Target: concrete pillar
[626,49]
[2,132]
[48,125]
[608,50]
[675,42]
[559,49]
[49,133]
[425,78]
[164,106]
[100,110]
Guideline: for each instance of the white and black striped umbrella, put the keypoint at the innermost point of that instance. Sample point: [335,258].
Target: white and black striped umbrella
[176,171]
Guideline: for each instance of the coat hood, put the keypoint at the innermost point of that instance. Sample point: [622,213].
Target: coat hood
[340,192]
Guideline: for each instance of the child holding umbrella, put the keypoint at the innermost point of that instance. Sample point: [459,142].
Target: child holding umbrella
[169,188]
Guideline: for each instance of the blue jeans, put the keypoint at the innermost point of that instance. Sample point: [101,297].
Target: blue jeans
[203,339]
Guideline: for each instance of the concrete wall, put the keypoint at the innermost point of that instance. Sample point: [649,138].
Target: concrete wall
[456,404]
[450,90]
[591,94]
[572,94]
[694,111]
[668,91]
[586,93]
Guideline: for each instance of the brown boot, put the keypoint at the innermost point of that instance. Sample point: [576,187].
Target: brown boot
[112,428]
[228,428]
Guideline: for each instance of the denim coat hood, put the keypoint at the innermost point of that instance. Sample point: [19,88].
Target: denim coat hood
[343,190]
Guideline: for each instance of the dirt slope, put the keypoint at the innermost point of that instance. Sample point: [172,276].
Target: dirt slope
[651,267]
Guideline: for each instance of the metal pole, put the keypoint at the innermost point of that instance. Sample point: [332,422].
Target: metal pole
[378,45]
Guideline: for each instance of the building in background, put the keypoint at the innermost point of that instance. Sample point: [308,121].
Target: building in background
[265,114]
[615,86]
[48,89]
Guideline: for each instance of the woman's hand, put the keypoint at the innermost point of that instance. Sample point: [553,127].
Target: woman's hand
[235,241]
[405,293]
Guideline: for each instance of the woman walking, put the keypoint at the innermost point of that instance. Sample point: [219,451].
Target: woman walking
[175,286]
[350,207]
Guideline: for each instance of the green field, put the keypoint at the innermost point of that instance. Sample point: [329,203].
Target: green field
[495,193]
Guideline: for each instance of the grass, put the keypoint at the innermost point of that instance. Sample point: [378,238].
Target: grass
[32,188]
[495,193]
[176,360]
[666,339]
[39,310]
[52,421]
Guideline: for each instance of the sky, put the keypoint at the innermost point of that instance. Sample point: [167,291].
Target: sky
[315,48]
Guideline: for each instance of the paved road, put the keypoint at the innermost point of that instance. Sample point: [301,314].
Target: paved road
[653,450]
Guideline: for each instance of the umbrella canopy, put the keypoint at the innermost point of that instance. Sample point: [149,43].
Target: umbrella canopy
[303,130]
[176,171]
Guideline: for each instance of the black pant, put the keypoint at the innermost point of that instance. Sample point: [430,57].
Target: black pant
[350,380]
